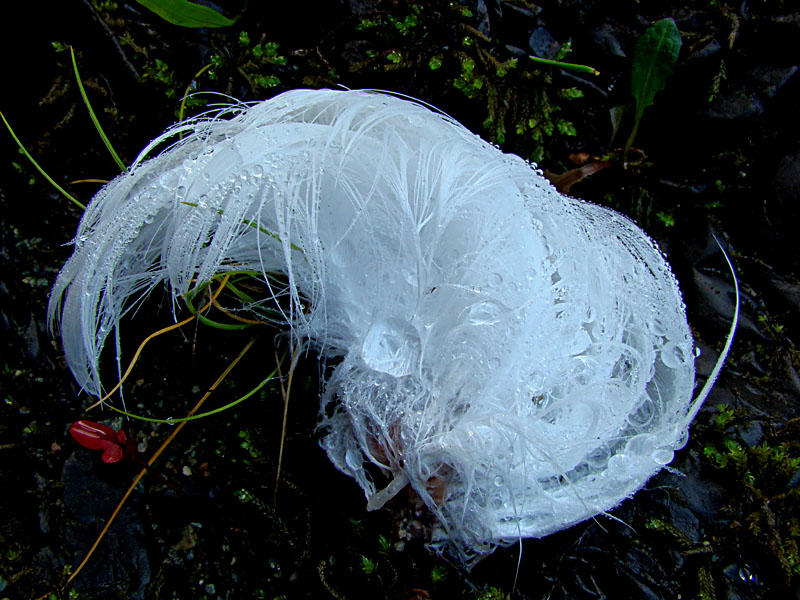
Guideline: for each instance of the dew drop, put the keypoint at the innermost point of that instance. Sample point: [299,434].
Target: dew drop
[485,313]
[672,355]
[663,455]
[392,346]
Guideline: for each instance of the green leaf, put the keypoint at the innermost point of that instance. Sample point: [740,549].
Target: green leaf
[653,61]
[187,14]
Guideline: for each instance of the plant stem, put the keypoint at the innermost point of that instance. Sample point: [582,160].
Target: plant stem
[565,65]
[93,116]
[27,154]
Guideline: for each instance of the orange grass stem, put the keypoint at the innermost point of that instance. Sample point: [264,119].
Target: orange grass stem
[285,392]
[156,334]
[157,453]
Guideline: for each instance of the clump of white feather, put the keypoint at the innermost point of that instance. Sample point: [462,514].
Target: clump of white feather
[519,358]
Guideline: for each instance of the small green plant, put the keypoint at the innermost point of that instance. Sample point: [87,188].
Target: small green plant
[765,501]
[160,73]
[725,416]
[259,64]
[438,574]
[490,593]
[654,59]
[368,566]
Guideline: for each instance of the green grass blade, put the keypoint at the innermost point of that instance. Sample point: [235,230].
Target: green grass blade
[27,154]
[224,326]
[202,415]
[97,126]
[188,91]
[564,65]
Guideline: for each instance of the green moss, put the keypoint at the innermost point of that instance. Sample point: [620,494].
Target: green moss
[764,505]
[368,566]
[438,574]
[490,593]
[517,106]
[163,77]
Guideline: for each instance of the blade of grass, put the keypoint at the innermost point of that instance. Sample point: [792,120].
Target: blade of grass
[27,154]
[285,392]
[102,181]
[188,90]
[97,126]
[564,65]
[202,415]
[216,324]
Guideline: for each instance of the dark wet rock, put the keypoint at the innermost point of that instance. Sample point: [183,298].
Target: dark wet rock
[773,78]
[605,39]
[684,520]
[585,84]
[362,8]
[720,296]
[784,205]
[741,582]
[516,51]
[120,563]
[712,48]
[791,374]
[736,105]
[795,480]
[750,360]
[5,298]
[483,16]
[643,574]
[512,10]
[543,44]
[789,291]
[751,433]
[703,497]
[31,337]
[705,361]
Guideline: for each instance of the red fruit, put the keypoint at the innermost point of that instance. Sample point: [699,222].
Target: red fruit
[96,436]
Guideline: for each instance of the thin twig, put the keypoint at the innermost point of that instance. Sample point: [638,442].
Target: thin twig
[156,334]
[285,392]
[157,453]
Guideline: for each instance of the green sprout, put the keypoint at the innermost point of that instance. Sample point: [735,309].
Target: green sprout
[368,566]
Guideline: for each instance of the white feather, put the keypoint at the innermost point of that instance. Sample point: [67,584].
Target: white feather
[520,358]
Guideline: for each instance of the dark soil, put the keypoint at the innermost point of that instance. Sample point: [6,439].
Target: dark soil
[722,147]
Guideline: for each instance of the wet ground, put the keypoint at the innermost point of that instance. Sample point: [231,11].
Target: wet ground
[719,152]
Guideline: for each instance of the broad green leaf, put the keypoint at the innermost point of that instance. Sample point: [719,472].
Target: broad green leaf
[187,14]
[653,60]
